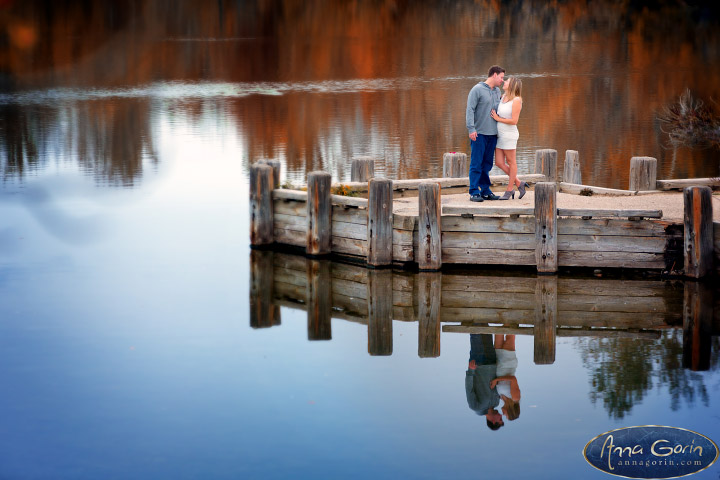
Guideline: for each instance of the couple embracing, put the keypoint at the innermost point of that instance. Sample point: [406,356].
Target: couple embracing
[491,118]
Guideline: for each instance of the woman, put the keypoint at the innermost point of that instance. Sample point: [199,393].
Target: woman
[506,383]
[507,116]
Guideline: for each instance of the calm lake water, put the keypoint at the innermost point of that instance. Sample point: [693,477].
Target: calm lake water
[128,343]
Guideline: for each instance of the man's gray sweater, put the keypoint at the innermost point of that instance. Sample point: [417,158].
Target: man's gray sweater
[481,100]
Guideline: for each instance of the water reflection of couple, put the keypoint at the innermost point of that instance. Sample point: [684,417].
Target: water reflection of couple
[491,377]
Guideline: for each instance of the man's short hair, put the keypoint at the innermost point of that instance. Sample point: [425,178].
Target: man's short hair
[495,69]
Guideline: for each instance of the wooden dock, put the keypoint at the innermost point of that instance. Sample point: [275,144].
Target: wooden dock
[364,227]
[543,306]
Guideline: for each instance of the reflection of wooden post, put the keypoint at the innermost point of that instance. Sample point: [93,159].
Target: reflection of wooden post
[319,214]
[545,319]
[362,169]
[429,297]
[263,313]
[643,173]
[275,164]
[455,165]
[380,298]
[380,222]
[429,256]
[546,163]
[697,325]
[571,172]
[319,299]
[546,227]
[698,247]
[261,204]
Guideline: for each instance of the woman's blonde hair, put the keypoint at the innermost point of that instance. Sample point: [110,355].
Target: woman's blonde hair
[514,88]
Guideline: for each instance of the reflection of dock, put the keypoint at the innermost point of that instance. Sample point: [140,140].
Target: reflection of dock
[545,307]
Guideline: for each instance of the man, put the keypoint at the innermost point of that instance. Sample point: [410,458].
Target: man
[482,398]
[483,98]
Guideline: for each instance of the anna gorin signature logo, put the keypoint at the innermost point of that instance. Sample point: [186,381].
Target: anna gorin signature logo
[651,451]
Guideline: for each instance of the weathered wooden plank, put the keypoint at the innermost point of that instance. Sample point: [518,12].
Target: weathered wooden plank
[698,249]
[349,201]
[488,224]
[290,207]
[611,226]
[291,277]
[404,313]
[261,206]
[286,291]
[604,243]
[445,183]
[485,210]
[591,303]
[455,165]
[403,299]
[486,315]
[349,288]
[560,332]
[488,256]
[403,253]
[355,231]
[611,287]
[349,246]
[293,222]
[349,214]
[429,255]
[285,194]
[546,246]
[290,262]
[353,273]
[608,212]
[611,259]
[637,320]
[643,173]
[681,184]
[355,306]
[379,227]
[404,222]
[525,241]
[571,170]
[578,189]
[290,237]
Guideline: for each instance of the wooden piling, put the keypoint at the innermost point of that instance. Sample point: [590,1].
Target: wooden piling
[698,248]
[319,214]
[429,255]
[546,163]
[571,170]
[643,173]
[545,320]
[263,312]
[455,165]
[697,325]
[380,307]
[319,299]
[546,248]
[429,298]
[380,222]
[275,165]
[362,169]
[261,205]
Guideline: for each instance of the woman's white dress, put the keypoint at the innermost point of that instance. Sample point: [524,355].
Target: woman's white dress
[507,134]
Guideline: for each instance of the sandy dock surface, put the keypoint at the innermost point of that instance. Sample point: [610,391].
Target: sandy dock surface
[671,203]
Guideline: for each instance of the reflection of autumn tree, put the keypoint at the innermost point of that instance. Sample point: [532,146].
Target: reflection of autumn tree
[622,371]
[18,140]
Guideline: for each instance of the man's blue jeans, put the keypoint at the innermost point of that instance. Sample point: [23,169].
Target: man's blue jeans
[482,153]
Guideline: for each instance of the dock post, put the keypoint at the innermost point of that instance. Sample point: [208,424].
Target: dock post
[455,165]
[546,163]
[380,222]
[380,303]
[643,173]
[319,214]
[546,251]
[697,325]
[275,164]
[263,312]
[319,299]
[698,246]
[261,205]
[545,320]
[362,169]
[429,299]
[429,256]
[571,171]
